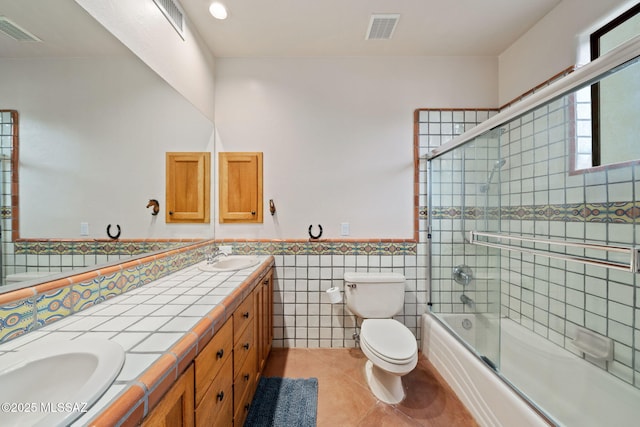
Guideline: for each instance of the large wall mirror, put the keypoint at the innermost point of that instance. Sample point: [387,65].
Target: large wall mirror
[94,123]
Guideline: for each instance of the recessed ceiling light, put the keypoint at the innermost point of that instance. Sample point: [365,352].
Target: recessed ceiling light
[218,10]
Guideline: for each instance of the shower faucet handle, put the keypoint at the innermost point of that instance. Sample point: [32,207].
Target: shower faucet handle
[462,274]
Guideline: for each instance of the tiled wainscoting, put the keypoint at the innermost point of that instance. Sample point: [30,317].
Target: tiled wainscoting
[57,255]
[303,315]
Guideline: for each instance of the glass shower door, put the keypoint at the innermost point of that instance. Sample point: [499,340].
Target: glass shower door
[464,196]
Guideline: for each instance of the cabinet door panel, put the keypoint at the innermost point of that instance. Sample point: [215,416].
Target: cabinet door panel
[240,183]
[188,187]
[176,407]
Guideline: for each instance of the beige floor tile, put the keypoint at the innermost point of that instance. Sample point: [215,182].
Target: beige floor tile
[345,400]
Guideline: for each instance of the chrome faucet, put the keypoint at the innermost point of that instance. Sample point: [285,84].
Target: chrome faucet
[213,257]
[467,301]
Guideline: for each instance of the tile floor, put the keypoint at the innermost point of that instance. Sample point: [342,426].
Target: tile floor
[344,398]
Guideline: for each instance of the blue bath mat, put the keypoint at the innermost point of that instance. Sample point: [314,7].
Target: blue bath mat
[284,402]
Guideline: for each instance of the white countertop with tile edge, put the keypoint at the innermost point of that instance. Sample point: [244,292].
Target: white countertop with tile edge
[146,321]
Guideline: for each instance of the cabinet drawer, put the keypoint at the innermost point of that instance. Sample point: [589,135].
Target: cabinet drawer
[245,345]
[243,315]
[216,407]
[242,407]
[245,381]
[211,359]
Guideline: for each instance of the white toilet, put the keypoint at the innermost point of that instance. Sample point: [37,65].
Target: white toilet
[389,345]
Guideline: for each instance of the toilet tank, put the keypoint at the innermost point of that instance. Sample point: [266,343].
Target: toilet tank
[374,295]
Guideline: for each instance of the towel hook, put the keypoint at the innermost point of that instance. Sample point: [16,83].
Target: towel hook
[156,206]
[316,236]
[109,231]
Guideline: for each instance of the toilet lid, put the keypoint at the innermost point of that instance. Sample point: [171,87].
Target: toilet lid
[388,339]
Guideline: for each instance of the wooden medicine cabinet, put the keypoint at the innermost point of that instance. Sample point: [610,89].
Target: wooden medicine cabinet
[240,182]
[188,187]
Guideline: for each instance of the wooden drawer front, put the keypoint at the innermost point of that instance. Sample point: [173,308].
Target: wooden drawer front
[216,408]
[212,358]
[244,346]
[242,407]
[246,379]
[243,315]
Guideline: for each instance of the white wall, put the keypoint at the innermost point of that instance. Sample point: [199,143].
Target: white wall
[187,64]
[93,137]
[553,44]
[337,135]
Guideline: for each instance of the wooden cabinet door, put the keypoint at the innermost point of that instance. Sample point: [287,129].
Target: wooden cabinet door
[176,407]
[188,187]
[240,183]
[264,325]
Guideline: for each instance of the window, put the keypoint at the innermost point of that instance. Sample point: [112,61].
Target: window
[615,100]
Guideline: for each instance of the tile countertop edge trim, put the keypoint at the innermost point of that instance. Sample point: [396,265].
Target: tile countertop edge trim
[164,372]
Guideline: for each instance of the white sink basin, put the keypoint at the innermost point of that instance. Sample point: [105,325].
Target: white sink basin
[54,382]
[230,263]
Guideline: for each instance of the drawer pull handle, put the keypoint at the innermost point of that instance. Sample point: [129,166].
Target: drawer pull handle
[247,406]
[245,314]
[266,282]
[220,396]
[246,346]
[220,353]
[246,377]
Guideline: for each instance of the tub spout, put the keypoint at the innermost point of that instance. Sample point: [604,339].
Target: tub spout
[467,301]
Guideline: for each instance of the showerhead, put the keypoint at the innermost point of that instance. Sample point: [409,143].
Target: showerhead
[484,188]
[493,133]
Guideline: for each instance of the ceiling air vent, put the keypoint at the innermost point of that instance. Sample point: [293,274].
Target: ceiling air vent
[174,14]
[381,26]
[13,30]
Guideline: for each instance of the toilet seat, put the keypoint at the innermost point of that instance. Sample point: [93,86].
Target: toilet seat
[389,340]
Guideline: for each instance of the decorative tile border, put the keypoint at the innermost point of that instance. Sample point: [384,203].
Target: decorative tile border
[328,247]
[93,247]
[616,212]
[24,310]
[266,247]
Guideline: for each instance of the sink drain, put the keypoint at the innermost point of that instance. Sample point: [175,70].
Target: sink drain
[466,323]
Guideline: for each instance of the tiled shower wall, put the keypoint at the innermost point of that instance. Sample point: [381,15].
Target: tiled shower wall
[449,201]
[541,196]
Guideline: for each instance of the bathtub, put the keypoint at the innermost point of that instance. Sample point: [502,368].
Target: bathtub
[539,368]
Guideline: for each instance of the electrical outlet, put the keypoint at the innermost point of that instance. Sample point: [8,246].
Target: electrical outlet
[84,228]
[225,249]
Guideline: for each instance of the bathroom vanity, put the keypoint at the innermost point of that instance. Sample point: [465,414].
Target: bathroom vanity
[226,371]
[195,341]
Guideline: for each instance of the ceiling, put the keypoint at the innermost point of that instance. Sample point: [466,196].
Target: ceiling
[291,28]
[64,27]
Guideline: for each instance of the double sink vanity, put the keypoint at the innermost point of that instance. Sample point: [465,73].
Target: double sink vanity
[185,349]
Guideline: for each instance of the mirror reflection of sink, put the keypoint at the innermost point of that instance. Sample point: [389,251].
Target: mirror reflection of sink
[230,263]
[52,383]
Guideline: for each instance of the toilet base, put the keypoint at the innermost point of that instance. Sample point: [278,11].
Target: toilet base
[385,386]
